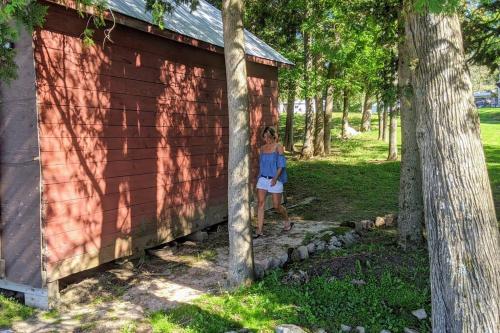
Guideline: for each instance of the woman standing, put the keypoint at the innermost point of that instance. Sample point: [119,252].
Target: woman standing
[272,176]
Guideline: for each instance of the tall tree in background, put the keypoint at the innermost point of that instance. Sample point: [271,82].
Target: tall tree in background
[241,270]
[329,106]
[366,116]
[462,230]
[411,210]
[292,93]
[308,147]
[393,130]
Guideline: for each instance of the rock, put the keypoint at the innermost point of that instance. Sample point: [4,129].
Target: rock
[288,328]
[198,236]
[295,255]
[264,264]
[363,225]
[298,277]
[379,222]
[303,252]
[420,314]
[320,330]
[385,331]
[283,259]
[390,220]
[274,262]
[320,246]
[259,271]
[311,248]
[333,247]
[358,282]
[345,328]
[6,331]
[409,330]
[359,329]
[348,239]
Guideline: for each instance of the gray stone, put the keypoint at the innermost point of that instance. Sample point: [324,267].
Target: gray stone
[345,328]
[420,314]
[303,252]
[311,248]
[288,328]
[359,329]
[409,330]
[320,330]
[259,271]
[332,247]
[333,240]
[363,225]
[296,277]
[358,282]
[6,331]
[379,222]
[320,246]
[263,264]
[198,236]
[274,262]
[348,238]
[283,259]
[295,255]
[385,331]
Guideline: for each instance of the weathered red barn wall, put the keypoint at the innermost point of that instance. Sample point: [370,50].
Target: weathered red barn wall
[133,140]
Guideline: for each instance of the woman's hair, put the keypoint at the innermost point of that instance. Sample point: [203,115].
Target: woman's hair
[270,130]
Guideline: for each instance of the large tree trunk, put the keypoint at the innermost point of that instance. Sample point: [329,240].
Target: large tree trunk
[308,148]
[379,114]
[319,144]
[366,118]
[345,114]
[384,122]
[327,136]
[462,230]
[411,213]
[292,89]
[241,270]
[393,131]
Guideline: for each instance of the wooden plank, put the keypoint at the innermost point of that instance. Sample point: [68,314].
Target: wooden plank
[129,246]
[20,172]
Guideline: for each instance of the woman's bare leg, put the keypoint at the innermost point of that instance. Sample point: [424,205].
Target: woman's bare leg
[261,198]
[280,209]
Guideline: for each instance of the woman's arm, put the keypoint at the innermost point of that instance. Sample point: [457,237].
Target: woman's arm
[281,163]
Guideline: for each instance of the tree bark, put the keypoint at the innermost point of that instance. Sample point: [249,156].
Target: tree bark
[379,114]
[327,137]
[367,114]
[292,90]
[411,212]
[241,266]
[462,230]
[393,131]
[308,148]
[345,114]
[319,131]
[384,123]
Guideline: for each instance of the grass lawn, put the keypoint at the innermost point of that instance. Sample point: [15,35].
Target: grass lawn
[354,182]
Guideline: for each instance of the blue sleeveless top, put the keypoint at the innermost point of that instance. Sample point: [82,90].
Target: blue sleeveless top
[269,164]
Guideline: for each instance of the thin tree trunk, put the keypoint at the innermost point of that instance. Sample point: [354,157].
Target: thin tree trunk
[384,123]
[411,210]
[328,119]
[393,131]
[308,148]
[241,266]
[462,229]
[319,132]
[292,90]
[367,114]
[379,114]
[345,114]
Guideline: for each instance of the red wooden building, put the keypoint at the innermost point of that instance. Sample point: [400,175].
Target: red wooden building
[109,149]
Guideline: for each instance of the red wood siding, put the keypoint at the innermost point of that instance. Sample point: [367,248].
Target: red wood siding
[133,139]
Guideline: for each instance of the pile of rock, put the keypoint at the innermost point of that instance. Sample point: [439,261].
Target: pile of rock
[388,220]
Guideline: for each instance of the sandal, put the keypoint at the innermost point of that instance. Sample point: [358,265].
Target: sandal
[291,226]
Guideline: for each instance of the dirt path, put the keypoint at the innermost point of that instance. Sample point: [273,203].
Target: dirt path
[121,296]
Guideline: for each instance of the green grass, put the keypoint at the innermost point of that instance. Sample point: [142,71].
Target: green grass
[355,181]
[10,311]
[386,301]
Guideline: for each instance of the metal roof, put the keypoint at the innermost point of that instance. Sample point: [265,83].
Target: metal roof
[204,23]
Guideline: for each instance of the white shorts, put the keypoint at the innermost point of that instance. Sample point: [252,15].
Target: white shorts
[265,184]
